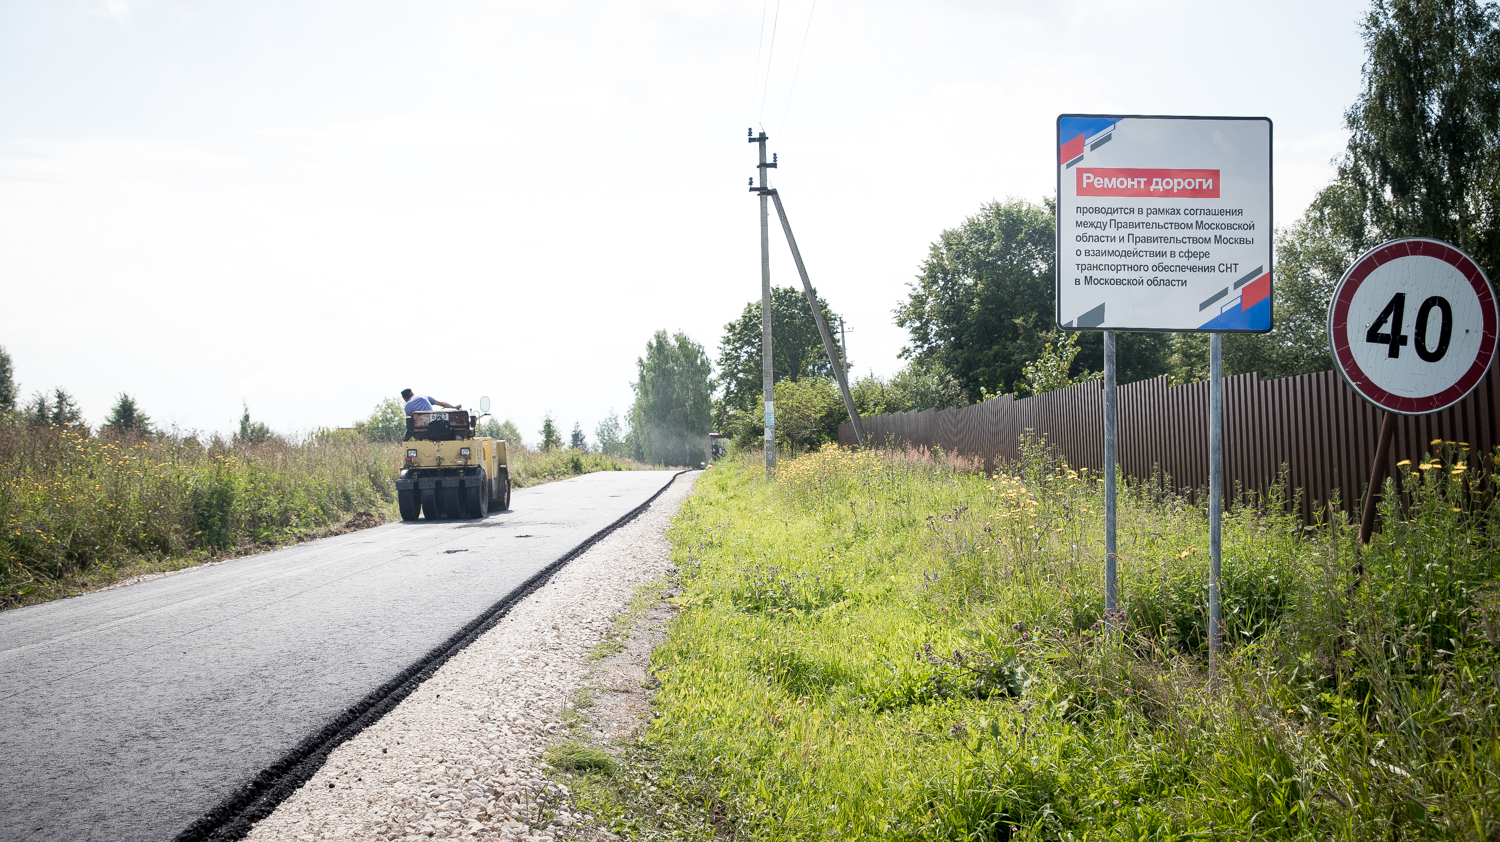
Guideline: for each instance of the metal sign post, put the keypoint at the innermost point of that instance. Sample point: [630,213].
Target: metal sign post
[1412,326]
[1215,494]
[1164,224]
[1111,422]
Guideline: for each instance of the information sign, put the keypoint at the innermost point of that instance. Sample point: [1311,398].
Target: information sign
[1164,223]
[1412,325]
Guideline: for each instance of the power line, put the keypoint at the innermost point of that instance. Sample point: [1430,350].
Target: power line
[800,52]
[755,81]
[770,54]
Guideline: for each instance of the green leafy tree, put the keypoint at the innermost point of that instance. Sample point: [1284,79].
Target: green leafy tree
[808,413]
[984,296]
[251,432]
[925,384]
[1423,160]
[872,396]
[671,418]
[982,305]
[607,436]
[126,418]
[8,392]
[1423,157]
[796,349]
[577,441]
[387,422]
[506,431]
[1310,259]
[551,439]
[1052,368]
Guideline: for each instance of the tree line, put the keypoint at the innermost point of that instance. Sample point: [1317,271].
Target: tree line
[1422,159]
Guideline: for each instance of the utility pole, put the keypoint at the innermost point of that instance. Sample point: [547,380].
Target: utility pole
[766,371]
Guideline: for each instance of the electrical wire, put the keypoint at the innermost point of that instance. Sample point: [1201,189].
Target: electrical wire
[755,81]
[800,52]
[770,54]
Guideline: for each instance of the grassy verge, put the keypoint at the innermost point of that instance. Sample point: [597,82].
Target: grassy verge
[898,647]
[80,512]
[625,786]
[531,467]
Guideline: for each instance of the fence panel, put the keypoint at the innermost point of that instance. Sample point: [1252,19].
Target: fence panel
[1314,425]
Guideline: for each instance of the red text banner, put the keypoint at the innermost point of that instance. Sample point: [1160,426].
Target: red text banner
[1149,184]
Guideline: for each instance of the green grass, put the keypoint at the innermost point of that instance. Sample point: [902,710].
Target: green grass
[534,467]
[580,757]
[892,646]
[80,512]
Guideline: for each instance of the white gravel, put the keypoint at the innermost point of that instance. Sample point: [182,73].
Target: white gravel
[460,758]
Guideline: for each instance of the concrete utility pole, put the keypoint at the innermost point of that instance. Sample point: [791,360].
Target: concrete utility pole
[768,376]
[817,311]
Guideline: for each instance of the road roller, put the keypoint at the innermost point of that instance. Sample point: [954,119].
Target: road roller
[448,471]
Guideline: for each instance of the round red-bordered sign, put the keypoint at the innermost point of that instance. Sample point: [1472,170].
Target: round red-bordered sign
[1413,325]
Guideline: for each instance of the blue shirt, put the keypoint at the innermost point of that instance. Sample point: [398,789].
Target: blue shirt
[419,404]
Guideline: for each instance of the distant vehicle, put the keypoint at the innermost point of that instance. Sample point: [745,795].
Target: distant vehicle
[448,472]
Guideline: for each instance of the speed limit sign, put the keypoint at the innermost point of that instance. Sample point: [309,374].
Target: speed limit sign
[1412,325]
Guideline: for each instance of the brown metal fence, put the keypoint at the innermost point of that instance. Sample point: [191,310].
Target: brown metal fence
[1321,430]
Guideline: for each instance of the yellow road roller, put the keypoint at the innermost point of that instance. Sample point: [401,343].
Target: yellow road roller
[448,471]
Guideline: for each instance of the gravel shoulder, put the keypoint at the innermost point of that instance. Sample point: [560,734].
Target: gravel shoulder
[461,758]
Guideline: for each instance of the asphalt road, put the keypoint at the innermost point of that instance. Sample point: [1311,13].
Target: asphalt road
[128,714]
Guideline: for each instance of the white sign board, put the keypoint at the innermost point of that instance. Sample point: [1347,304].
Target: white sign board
[1412,325]
[1164,223]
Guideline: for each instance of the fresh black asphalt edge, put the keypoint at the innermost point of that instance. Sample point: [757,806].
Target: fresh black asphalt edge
[237,814]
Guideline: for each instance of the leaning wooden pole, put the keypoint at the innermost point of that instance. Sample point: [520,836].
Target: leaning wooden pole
[817,311]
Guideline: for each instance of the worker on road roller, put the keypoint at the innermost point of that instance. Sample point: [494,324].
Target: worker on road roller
[420,403]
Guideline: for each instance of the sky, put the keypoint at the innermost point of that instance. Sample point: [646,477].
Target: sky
[303,207]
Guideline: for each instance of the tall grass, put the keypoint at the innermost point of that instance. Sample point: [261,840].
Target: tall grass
[534,467]
[77,511]
[896,646]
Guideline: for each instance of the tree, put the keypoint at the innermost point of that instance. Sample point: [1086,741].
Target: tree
[1052,368]
[387,422]
[251,432]
[577,441]
[1423,158]
[37,412]
[925,384]
[607,436]
[796,348]
[984,296]
[1311,257]
[8,391]
[671,418]
[551,439]
[505,431]
[808,413]
[127,419]
[62,411]
[983,304]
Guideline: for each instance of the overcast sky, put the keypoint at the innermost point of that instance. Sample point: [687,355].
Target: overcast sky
[305,206]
